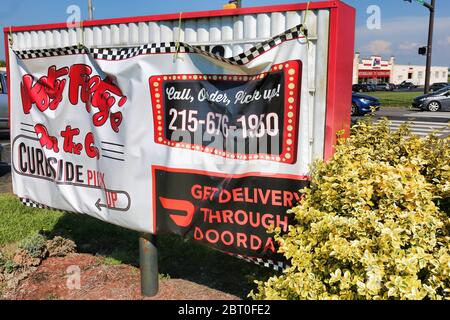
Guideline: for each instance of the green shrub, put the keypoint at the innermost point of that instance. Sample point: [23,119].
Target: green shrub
[34,245]
[374,223]
[9,266]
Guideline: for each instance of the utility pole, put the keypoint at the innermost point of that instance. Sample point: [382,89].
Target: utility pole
[429,52]
[90,10]
[432,8]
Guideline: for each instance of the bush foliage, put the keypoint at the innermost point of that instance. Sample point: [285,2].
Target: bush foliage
[34,245]
[374,224]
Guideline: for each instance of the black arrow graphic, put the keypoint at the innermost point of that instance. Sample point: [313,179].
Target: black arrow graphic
[100,205]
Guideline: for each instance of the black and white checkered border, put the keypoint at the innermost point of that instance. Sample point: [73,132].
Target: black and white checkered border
[117,54]
[32,204]
[44,53]
[277,266]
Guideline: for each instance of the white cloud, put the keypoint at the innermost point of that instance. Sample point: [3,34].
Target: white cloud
[445,42]
[406,34]
[407,26]
[408,46]
[380,47]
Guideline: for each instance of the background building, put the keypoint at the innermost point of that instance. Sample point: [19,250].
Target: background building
[377,70]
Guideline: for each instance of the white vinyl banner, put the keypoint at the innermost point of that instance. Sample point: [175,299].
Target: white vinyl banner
[165,138]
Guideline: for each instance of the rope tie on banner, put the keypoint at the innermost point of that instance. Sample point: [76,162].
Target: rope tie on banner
[10,36]
[81,43]
[304,27]
[178,43]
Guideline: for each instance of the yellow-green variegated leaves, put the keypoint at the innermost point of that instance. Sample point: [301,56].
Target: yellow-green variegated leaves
[374,224]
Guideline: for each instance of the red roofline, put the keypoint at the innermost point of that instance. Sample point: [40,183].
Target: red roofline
[176,16]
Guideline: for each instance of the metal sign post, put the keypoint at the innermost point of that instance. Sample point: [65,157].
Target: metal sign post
[148,262]
[90,10]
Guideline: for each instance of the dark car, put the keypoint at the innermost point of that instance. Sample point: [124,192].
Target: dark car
[362,87]
[363,104]
[439,85]
[3,102]
[436,101]
[372,87]
[406,86]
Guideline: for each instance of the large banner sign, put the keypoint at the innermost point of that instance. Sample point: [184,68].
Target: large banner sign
[165,138]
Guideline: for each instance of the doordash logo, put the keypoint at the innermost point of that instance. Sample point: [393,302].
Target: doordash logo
[182,206]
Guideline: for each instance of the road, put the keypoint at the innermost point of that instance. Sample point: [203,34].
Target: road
[422,122]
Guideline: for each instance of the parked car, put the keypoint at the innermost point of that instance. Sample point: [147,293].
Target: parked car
[372,87]
[383,87]
[392,87]
[363,104]
[436,101]
[439,85]
[362,87]
[405,85]
[4,115]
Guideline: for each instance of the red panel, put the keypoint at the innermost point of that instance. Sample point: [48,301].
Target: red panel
[6,44]
[340,73]
[187,15]
[288,152]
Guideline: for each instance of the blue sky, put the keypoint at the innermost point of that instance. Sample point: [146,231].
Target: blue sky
[403,25]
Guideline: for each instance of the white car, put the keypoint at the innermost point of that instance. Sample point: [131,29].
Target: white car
[4,114]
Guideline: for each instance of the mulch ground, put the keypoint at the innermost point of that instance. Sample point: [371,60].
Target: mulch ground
[98,281]
[53,280]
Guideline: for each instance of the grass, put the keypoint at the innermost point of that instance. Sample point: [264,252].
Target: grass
[178,258]
[395,99]
[18,222]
